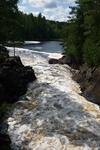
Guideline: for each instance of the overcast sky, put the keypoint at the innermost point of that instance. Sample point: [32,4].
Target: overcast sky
[57,10]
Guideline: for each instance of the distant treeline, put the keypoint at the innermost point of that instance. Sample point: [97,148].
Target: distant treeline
[39,28]
[16,25]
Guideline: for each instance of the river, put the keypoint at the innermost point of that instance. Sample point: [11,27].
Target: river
[52,115]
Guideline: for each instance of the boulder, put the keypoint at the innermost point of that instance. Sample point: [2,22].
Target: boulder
[53,61]
[64,60]
[28,73]
[14,77]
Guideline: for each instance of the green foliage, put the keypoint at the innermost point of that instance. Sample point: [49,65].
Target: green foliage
[75,35]
[38,28]
[83,39]
[91,52]
[15,25]
[8,18]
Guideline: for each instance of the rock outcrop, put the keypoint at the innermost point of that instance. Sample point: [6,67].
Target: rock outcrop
[14,77]
[62,60]
[88,78]
[53,61]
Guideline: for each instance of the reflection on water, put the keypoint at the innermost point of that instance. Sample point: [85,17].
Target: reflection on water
[45,46]
[52,115]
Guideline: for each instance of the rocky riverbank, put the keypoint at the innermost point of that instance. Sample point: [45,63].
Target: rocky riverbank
[88,78]
[14,77]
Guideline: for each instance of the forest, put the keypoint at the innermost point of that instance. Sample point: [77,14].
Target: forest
[81,37]
[16,25]
[33,28]
[81,32]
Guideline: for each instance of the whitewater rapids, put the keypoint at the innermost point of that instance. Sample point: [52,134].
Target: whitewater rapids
[53,115]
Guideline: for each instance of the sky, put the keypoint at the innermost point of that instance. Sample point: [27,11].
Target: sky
[57,10]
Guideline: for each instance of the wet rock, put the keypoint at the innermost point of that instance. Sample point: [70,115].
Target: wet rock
[89,80]
[28,73]
[14,77]
[83,68]
[15,61]
[4,142]
[53,61]
[58,106]
[64,60]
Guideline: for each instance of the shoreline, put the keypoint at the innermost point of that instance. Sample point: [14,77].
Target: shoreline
[87,78]
[14,78]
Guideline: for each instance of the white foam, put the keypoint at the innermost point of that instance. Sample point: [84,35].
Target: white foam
[32,42]
[52,115]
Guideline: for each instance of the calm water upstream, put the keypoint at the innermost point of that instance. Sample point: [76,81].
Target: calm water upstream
[52,115]
[46,46]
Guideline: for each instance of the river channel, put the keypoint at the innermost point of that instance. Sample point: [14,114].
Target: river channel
[52,115]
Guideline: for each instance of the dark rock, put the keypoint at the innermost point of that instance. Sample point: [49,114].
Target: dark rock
[63,44]
[4,142]
[2,92]
[89,80]
[53,61]
[58,106]
[64,60]
[83,69]
[29,73]
[63,53]
[14,77]
[15,61]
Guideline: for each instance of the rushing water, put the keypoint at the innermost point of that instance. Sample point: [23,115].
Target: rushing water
[52,115]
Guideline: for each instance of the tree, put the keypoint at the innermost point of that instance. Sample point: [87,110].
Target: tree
[8,13]
[91,46]
[75,34]
[83,41]
[8,23]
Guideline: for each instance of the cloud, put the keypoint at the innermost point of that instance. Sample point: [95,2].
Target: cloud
[22,8]
[34,3]
[46,3]
[50,11]
[50,5]
[36,13]
[46,16]
[65,1]
[58,14]
[57,10]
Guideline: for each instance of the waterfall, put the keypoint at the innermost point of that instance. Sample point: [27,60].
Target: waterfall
[52,115]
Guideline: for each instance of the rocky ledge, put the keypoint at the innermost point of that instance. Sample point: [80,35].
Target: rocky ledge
[88,78]
[14,77]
